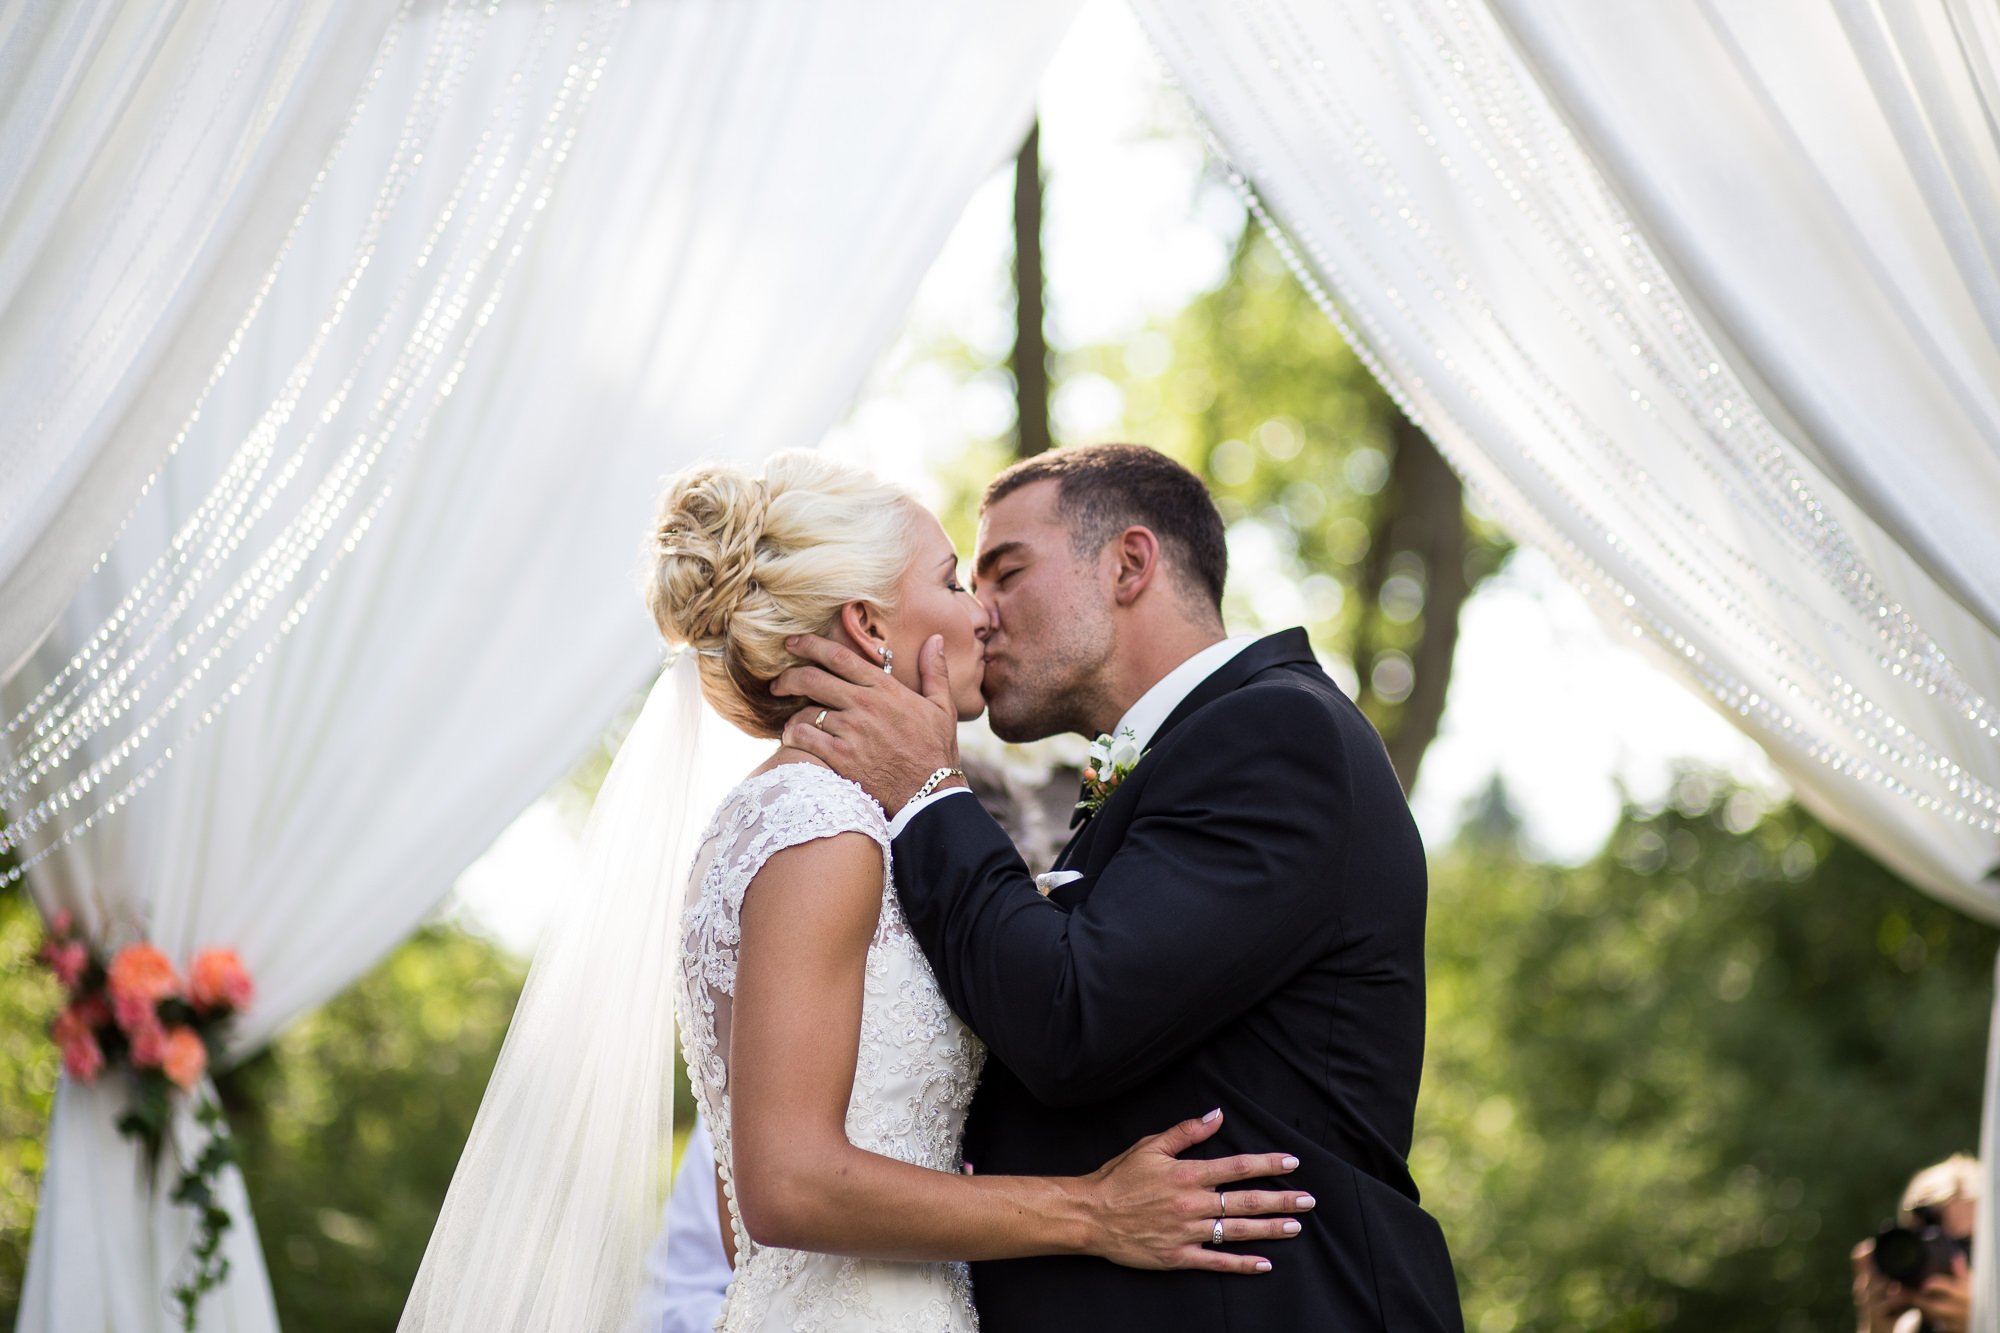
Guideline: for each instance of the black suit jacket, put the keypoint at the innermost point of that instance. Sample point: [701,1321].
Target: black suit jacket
[1248,933]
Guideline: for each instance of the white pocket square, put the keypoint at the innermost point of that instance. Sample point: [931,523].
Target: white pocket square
[1055,879]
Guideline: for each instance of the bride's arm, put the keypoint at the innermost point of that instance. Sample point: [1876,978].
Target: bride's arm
[795,1031]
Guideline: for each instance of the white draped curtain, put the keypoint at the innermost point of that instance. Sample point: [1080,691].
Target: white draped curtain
[1791,504]
[562,250]
[1704,300]
[152,159]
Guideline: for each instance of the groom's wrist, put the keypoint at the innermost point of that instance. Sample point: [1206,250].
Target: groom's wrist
[934,780]
[901,819]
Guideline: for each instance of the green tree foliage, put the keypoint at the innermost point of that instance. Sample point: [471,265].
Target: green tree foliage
[29,998]
[352,1121]
[1326,487]
[1668,1090]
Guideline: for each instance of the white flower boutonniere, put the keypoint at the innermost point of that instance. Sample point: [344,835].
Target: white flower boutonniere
[1111,761]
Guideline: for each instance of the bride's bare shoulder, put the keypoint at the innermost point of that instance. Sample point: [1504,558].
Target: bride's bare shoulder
[821,896]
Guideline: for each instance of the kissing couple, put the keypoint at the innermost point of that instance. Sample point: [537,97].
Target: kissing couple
[1168,1085]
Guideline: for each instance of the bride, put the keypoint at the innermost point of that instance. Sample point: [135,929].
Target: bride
[832,1074]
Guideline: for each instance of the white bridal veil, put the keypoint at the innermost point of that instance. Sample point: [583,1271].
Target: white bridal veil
[557,1195]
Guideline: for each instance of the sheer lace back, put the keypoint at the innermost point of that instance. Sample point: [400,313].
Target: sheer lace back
[914,1077]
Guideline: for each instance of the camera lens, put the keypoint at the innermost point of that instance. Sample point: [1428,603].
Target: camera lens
[1901,1255]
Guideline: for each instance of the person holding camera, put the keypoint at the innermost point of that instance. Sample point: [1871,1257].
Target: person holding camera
[1915,1275]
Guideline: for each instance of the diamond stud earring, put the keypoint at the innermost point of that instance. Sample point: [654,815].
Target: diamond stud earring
[888,661]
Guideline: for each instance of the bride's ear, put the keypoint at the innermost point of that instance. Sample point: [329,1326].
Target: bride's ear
[862,623]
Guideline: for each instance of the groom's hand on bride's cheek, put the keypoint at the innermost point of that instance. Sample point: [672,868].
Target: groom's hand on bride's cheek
[874,731]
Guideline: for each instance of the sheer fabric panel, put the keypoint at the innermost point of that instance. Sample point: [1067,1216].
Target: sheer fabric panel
[756,190]
[152,158]
[1825,181]
[1502,289]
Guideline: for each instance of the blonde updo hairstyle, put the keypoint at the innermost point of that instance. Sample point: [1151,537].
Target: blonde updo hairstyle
[740,563]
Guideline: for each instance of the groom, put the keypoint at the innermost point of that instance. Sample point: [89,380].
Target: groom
[1239,923]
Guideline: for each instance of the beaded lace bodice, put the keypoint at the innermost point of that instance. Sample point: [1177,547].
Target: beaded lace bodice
[914,1077]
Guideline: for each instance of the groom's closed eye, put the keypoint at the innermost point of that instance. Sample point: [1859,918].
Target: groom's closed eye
[990,561]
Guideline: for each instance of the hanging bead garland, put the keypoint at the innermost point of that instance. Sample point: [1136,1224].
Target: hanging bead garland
[1685,583]
[169,658]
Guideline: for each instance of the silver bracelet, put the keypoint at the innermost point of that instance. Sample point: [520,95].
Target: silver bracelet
[931,786]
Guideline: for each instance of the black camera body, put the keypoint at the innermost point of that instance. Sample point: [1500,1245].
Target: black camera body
[1911,1255]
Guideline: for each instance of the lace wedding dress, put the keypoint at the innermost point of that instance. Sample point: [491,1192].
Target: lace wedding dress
[913,1080]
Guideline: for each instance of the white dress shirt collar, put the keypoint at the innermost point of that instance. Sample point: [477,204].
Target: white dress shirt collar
[1143,718]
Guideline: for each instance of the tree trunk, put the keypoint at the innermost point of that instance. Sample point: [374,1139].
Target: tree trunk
[1430,521]
[1030,359]
[1421,513]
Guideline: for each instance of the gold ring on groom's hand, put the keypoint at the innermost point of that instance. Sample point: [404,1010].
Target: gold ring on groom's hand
[820,721]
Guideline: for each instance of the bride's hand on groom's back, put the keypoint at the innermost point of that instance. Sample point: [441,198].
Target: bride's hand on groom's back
[864,725]
[1156,1210]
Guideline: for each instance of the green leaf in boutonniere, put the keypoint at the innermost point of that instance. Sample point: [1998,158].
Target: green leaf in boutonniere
[1111,761]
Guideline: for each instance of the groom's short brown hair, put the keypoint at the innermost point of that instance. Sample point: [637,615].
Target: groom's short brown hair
[1103,489]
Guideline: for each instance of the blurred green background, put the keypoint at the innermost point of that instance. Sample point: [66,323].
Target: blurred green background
[1667,1089]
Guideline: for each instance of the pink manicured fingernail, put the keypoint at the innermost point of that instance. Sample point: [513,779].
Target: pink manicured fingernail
[1263,1265]
[1305,1201]
[1290,1164]
[1290,1228]
[1211,1115]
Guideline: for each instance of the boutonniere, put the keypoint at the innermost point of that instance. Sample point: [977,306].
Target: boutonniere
[1111,761]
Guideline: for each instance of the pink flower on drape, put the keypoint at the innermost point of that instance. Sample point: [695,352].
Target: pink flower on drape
[184,1057]
[67,959]
[149,1045]
[217,981]
[141,972]
[83,1058]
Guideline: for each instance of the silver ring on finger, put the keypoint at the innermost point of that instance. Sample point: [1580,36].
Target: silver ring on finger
[1216,1239]
[1221,1205]
[820,721]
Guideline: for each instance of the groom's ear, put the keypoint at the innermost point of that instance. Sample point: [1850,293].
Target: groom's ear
[1136,556]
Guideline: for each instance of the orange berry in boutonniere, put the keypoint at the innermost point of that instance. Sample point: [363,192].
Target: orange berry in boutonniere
[1111,760]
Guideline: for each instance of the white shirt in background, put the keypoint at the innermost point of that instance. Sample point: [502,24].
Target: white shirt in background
[687,1272]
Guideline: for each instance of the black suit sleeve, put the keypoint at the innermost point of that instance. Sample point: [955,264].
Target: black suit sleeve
[1218,893]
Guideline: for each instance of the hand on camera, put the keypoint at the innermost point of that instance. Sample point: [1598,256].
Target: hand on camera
[1946,1299]
[1878,1301]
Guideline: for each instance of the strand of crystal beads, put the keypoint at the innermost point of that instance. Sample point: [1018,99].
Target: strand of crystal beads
[229,492]
[101,647]
[1755,471]
[64,798]
[446,312]
[67,723]
[222,521]
[1750,447]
